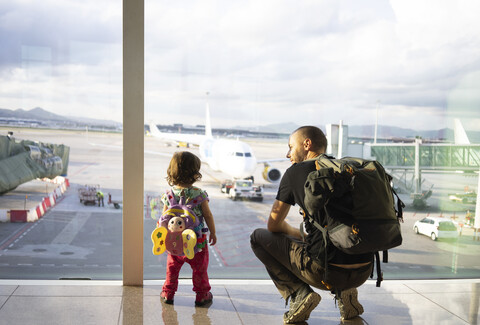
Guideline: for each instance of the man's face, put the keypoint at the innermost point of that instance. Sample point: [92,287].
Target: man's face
[296,152]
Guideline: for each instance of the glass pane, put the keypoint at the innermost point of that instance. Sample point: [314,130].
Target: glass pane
[61,100]
[394,81]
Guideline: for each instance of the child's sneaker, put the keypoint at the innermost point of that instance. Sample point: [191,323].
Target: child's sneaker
[167,297]
[203,299]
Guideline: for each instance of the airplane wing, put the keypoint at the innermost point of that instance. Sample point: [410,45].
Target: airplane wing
[195,139]
[268,161]
[121,148]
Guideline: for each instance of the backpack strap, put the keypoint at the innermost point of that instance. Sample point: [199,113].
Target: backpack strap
[400,206]
[325,237]
[379,270]
[170,197]
[199,199]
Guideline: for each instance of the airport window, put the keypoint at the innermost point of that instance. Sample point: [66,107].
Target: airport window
[374,78]
[391,81]
[61,140]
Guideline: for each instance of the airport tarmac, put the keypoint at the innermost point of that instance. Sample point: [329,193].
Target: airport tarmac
[77,241]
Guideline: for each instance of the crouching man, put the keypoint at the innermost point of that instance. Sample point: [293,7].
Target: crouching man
[294,265]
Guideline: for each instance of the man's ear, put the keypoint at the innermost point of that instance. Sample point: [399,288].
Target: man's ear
[307,144]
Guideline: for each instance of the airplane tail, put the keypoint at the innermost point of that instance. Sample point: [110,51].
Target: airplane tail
[154,130]
[208,125]
[459,133]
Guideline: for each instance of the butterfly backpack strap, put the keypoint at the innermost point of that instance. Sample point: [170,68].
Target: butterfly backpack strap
[199,226]
[171,202]
[170,198]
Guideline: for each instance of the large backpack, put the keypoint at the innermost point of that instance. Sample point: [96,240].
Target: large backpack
[351,201]
[179,230]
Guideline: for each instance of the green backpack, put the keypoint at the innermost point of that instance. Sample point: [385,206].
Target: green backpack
[351,201]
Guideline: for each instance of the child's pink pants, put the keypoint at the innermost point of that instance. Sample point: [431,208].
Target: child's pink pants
[199,265]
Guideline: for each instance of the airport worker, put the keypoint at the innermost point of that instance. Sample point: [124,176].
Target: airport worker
[100,198]
[288,260]
[182,172]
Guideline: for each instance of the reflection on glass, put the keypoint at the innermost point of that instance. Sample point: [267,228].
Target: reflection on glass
[61,98]
[376,80]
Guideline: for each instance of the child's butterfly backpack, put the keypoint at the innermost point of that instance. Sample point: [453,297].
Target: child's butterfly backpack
[179,230]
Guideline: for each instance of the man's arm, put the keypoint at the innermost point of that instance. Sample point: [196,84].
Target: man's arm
[276,221]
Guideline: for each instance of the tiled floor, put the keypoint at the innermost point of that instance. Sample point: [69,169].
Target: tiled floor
[235,302]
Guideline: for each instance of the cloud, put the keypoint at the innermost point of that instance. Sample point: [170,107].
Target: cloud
[263,62]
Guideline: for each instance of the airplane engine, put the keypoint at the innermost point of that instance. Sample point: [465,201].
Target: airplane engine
[271,174]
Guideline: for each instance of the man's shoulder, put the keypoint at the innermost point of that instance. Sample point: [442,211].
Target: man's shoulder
[308,165]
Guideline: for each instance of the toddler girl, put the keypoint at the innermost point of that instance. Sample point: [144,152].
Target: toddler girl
[182,173]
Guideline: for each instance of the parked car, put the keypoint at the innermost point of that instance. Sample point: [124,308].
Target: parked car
[436,228]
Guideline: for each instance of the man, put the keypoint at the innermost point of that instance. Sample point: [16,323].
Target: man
[294,265]
[100,198]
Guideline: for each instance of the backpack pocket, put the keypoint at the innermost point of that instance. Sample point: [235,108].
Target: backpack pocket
[318,189]
[344,237]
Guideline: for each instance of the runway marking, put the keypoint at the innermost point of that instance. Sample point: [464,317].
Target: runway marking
[80,170]
[71,230]
[22,231]
[214,252]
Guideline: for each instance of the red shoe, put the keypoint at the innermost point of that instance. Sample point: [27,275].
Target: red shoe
[167,297]
[203,299]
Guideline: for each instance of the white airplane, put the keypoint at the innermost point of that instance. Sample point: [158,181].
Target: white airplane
[232,157]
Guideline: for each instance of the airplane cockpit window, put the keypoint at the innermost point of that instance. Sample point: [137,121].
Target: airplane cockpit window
[248,154]
[239,154]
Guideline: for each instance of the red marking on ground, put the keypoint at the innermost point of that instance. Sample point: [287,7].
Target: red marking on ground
[220,256]
[16,235]
[80,170]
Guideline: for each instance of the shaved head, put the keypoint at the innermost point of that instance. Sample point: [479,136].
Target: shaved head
[319,141]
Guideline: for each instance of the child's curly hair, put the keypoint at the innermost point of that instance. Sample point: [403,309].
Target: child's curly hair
[184,169]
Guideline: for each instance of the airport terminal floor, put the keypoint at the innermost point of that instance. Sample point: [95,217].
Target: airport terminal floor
[235,302]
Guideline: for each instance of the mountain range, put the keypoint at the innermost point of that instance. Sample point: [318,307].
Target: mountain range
[42,115]
[383,132]
[360,131]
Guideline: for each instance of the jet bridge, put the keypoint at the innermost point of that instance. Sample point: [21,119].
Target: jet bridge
[407,161]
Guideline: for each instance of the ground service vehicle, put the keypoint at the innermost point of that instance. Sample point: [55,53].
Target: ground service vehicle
[88,194]
[466,197]
[242,189]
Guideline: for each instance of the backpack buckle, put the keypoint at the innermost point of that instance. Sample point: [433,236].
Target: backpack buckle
[355,229]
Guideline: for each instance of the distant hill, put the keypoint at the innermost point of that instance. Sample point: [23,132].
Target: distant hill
[361,131]
[276,128]
[45,117]
[35,113]
[392,131]
[385,132]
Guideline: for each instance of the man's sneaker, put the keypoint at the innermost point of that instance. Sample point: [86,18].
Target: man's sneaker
[167,297]
[349,305]
[302,303]
[203,299]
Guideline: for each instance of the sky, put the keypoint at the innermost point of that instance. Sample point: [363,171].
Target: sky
[405,63]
